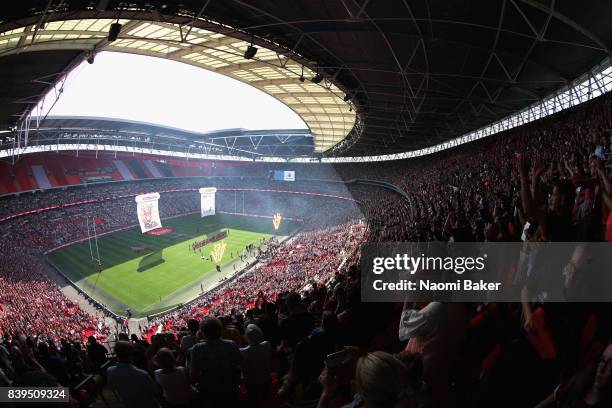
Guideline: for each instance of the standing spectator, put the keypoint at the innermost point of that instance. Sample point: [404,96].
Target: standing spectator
[134,386]
[298,324]
[215,365]
[188,341]
[174,381]
[96,353]
[256,364]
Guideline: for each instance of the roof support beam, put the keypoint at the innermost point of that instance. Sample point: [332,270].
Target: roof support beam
[563,18]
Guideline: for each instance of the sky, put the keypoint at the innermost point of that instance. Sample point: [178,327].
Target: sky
[168,93]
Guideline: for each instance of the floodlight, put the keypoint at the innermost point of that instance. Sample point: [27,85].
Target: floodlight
[317,78]
[114,31]
[250,52]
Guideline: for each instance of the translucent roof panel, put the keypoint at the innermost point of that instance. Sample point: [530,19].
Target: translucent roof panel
[277,75]
[168,93]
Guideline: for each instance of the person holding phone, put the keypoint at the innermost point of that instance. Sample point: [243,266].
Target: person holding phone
[381,381]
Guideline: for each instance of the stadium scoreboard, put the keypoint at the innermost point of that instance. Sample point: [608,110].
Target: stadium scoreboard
[283,175]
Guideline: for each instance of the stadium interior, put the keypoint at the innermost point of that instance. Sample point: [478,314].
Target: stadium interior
[150,264]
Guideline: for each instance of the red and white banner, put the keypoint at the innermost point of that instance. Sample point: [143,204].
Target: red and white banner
[148,212]
[207,199]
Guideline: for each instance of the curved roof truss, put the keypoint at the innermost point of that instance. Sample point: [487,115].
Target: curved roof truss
[276,71]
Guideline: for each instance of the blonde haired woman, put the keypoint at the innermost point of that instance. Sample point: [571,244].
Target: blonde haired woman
[381,381]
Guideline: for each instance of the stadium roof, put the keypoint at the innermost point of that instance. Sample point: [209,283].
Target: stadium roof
[114,133]
[417,72]
[321,105]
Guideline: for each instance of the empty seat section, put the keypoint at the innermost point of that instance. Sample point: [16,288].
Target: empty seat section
[165,169]
[40,175]
[54,164]
[106,168]
[110,169]
[137,169]
[152,168]
[7,178]
[123,170]
[180,171]
[23,176]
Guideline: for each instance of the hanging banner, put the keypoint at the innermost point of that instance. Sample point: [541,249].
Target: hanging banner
[148,212]
[207,199]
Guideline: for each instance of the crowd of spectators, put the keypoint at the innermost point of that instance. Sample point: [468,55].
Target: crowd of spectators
[31,303]
[293,328]
[474,192]
[552,177]
[29,293]
[101,192]
[311,257]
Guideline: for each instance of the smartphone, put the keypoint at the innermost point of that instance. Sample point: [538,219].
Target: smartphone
[336,359]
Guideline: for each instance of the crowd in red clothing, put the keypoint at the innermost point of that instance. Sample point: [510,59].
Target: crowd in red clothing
[313,256]
[553,174]
[31,303]
[29,293]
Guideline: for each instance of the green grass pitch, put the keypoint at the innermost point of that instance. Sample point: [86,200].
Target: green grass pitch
[148,274]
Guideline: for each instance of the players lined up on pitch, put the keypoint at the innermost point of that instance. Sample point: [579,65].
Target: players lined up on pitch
[202,243]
